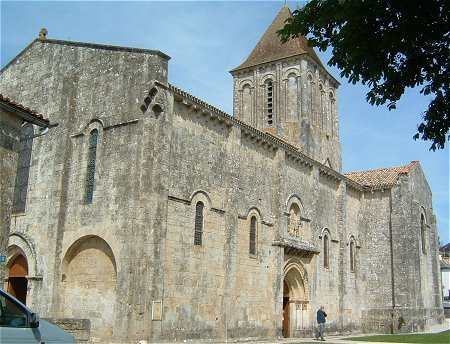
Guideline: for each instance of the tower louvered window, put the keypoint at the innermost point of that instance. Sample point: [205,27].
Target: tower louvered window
[90,175]
[326,251]
[269,102]
[23,168]
[198,232]
[252,243]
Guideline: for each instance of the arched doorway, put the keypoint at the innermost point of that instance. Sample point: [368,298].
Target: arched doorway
[17,278]
[89,285]
[295,299]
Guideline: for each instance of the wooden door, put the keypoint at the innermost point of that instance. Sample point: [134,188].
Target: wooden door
[17,281]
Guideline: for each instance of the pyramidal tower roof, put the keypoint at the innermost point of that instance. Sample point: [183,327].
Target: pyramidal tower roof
[270,48]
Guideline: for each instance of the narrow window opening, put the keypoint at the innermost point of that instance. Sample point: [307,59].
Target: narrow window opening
[326,252]
[157,109]
[352,256]
[198,232]
[90,175]
[23,168]
[252,244]
[423,234]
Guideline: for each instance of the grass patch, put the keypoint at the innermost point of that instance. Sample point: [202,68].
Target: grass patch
[428,338]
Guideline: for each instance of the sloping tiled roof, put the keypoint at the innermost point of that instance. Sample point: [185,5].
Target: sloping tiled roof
[270,47]
[39,117]
[444,265]
[445,248]
[380,178]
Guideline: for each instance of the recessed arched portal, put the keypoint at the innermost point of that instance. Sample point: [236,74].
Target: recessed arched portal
[17,278]
[295,298]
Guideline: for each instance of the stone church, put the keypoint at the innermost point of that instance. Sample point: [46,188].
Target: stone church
[159,217]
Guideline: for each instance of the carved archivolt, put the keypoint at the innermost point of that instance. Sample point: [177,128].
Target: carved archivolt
[291,71]
[267,77]
[19,243]
[296,276]
[246,82]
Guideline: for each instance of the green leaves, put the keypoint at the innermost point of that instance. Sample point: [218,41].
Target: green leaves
[389,45]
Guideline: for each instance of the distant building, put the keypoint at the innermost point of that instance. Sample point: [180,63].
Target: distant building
[160,217]
[444,257]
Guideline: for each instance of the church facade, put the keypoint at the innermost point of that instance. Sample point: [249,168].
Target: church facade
[159,217]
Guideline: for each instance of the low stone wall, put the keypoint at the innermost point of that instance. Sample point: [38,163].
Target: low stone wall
[447,312]
[79,328]
[405,320]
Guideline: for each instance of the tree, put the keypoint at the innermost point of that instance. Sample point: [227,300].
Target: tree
[388,45]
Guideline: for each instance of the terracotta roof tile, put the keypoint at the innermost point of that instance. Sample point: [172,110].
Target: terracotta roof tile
[270,48]
[18,106]
[445,248]
[381,177]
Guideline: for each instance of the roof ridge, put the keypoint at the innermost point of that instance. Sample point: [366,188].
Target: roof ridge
[105,47]
[272,138]
[88,45]
[407,167]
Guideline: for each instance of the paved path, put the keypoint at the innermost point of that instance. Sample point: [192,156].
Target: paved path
[330,340]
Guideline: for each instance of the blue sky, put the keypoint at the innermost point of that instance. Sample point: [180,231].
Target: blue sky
[205,41]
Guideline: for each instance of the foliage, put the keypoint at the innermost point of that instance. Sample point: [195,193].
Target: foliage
[389,45]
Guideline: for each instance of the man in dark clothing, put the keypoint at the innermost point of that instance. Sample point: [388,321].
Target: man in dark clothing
[321,315]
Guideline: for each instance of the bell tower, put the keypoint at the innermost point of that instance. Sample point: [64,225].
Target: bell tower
[285,90]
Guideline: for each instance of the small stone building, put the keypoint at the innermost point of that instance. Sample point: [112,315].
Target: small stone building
[159,217]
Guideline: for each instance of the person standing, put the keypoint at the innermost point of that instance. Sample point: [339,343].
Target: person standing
[321,315]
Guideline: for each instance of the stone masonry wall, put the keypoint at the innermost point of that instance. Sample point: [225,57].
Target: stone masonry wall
[304,113]
[9,145]
[418,299]
[81,86]
[375,262]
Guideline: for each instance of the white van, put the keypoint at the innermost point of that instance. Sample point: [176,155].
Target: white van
[19,325]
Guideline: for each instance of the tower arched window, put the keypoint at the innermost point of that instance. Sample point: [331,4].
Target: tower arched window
[423,233]
[326,251]
[247,106]
[23,168]
[311,98]
[269,102]
[90,173]
[330,115]
[322,114]
[198,231]
[252,241]
[352,256]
